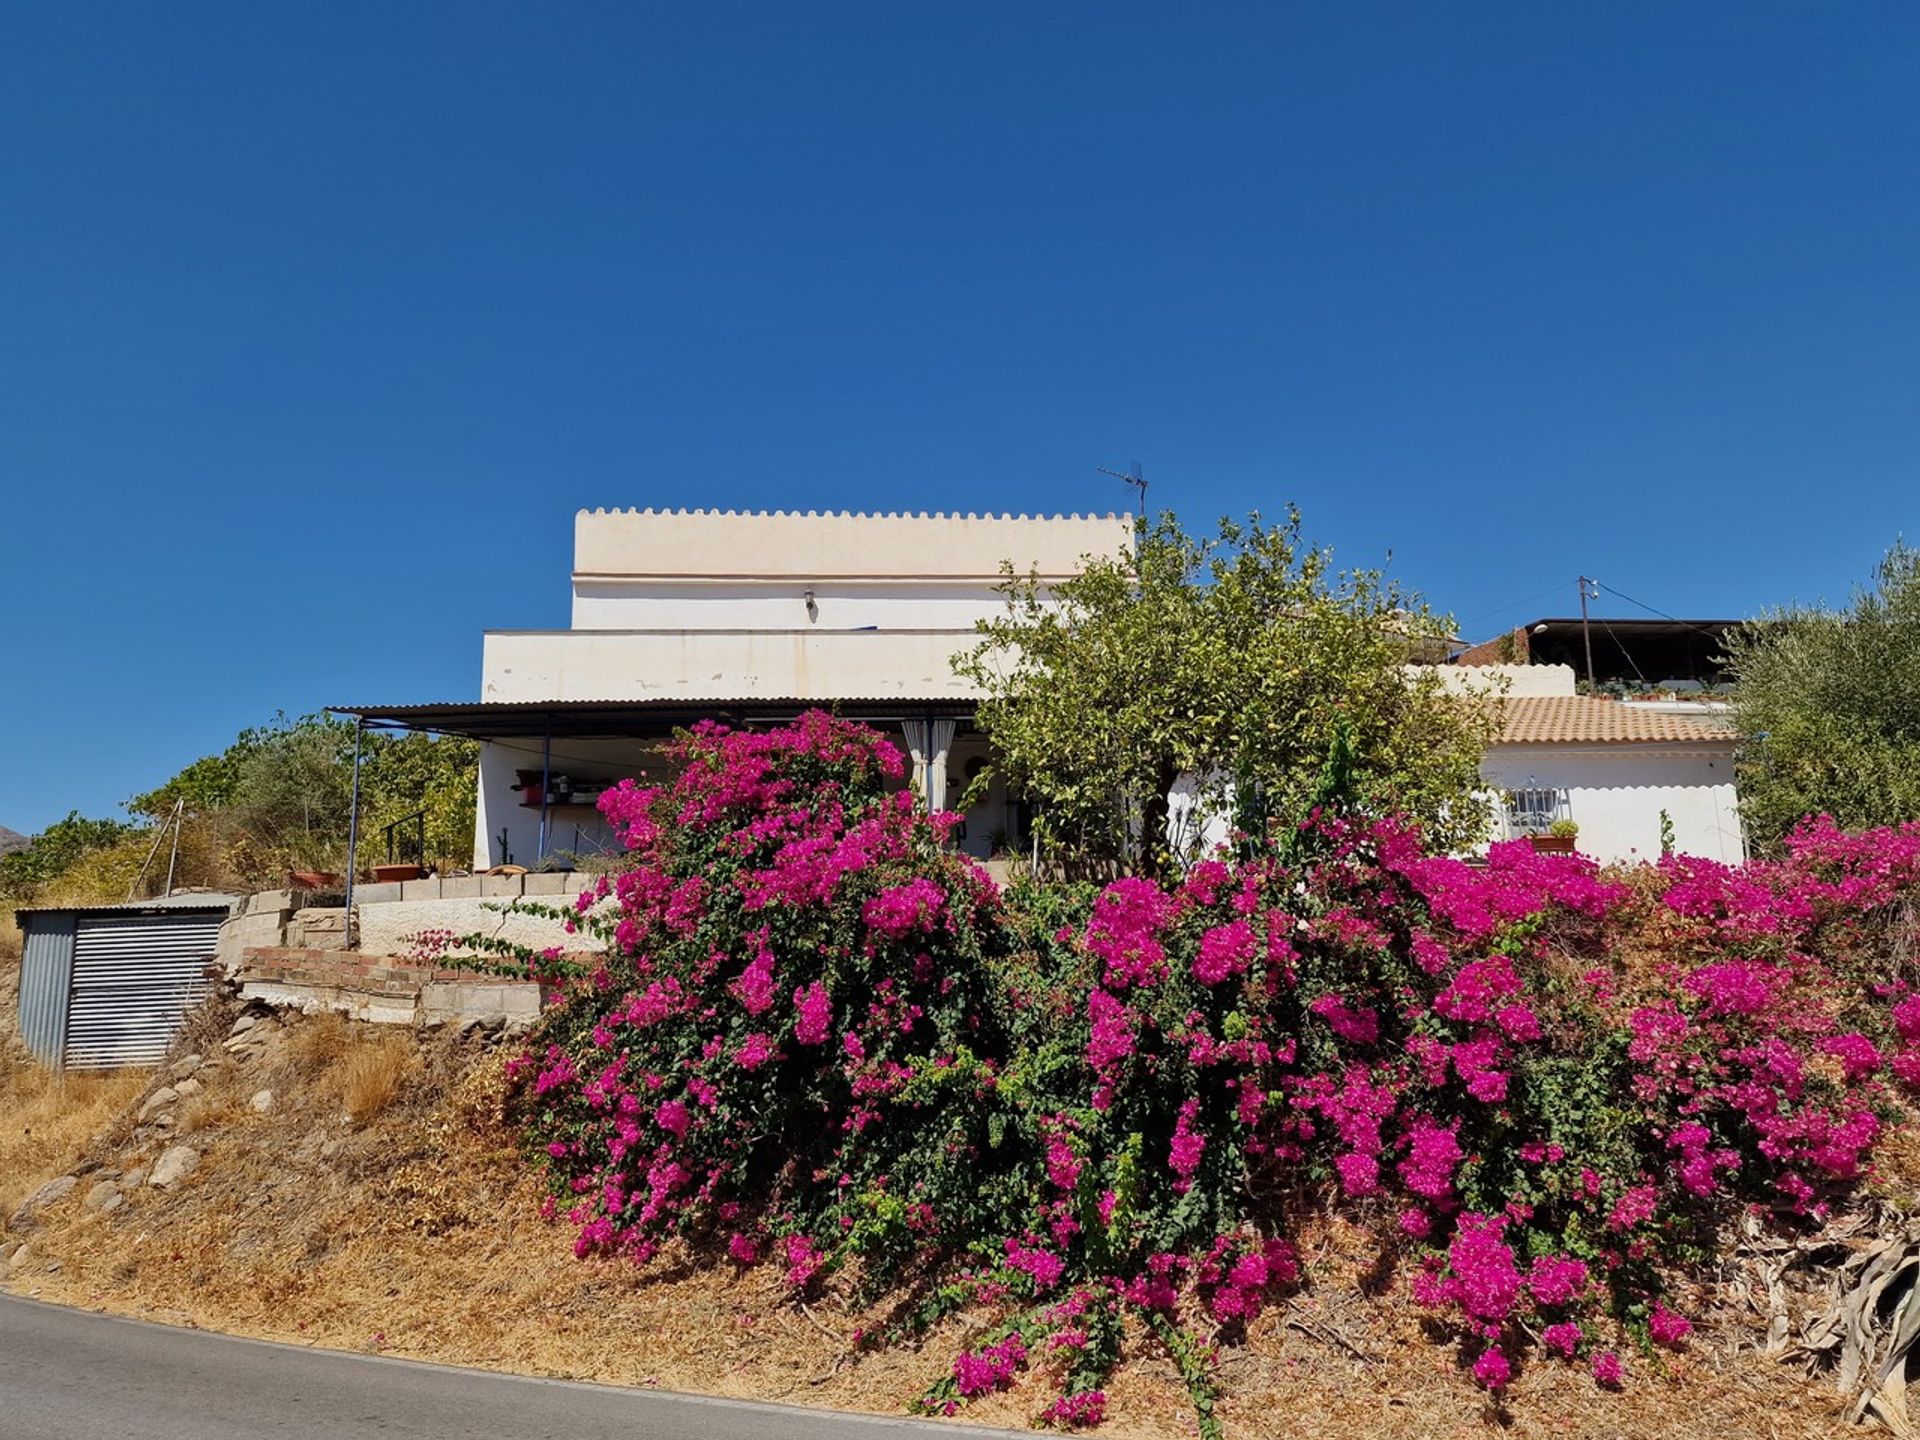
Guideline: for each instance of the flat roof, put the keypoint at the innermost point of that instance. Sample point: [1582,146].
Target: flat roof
[1638,625]
[527,719]
[181,900]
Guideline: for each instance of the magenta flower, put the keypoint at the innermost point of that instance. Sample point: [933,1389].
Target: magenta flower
[755,1051]
[1668,1328]
[815,1009]
[1562,1338]
[1225,951]
[1187,1146]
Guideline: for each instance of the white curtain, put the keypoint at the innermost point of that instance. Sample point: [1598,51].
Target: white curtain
[928,742]
[915,732]
[939,742]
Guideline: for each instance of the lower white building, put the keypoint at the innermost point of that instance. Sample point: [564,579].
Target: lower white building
[1631,775]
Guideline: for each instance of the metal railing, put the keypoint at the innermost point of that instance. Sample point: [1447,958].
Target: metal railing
[1530,811]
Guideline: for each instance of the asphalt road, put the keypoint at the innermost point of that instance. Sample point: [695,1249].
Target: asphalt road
[73,1375]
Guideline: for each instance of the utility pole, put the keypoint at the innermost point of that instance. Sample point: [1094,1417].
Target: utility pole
[1586,632]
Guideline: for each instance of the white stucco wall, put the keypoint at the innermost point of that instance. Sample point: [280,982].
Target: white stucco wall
[395,927]
[1616,793]
[781,604]
[1509,680]
[714,605]
[722,664]
[785,545]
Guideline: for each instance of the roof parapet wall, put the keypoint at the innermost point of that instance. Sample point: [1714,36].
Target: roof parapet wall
[789,545]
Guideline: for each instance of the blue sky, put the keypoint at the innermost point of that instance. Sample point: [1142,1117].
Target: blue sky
[317,323]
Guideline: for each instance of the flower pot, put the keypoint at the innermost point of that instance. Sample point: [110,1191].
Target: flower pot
[386,874]
[1553,844]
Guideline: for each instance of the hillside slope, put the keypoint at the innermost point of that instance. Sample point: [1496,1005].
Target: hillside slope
[354,1187]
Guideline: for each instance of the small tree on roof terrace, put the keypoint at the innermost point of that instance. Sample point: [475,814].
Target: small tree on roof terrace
[1235,659]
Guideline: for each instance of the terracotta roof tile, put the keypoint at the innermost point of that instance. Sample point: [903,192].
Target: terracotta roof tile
[1584,720]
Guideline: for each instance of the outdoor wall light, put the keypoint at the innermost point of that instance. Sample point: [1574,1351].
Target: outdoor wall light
[813,609]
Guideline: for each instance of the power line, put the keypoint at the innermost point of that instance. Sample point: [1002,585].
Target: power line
[1511,605]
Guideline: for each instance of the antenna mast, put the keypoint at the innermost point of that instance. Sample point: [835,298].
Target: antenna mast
[1134,477]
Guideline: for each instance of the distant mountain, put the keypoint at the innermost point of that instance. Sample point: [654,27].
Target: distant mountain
[12,840]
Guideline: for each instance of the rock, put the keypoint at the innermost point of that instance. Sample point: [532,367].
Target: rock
[48,1193]
[186,1088]
[245,1023]
[174,1165]
[6,1253]
[134,1178]
[262,1102]
[165,1095]
[185,1066]
[104,1196]
[22,1253]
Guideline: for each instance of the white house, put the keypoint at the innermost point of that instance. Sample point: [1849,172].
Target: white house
[1615,768]
[750,618]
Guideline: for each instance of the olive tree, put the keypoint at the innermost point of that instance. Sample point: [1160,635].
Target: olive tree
[1829,703]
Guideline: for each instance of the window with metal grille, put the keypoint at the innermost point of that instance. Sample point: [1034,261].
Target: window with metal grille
[1531,811]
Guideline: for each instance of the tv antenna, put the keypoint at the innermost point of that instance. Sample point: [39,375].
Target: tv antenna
[1134,477]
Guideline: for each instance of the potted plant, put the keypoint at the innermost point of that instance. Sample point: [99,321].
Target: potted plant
[1558,839]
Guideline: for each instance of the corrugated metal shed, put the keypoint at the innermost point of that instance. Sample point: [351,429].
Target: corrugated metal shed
[102,986]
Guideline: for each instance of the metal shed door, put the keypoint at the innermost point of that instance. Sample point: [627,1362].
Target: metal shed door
[46,980]
[134,977]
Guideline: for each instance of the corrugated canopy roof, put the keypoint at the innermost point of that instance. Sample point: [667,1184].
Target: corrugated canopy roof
[486,720]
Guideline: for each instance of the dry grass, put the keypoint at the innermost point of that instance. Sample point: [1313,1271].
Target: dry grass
[211,1110]
[374,1075]
[47,1119]
[320,1041]
[416,1232]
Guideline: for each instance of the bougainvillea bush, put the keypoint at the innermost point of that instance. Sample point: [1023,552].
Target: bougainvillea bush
[820,1040]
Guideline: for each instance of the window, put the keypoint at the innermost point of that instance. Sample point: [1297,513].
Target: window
[1531,811]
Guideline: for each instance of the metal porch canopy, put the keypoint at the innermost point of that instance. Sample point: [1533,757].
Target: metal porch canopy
[559,719]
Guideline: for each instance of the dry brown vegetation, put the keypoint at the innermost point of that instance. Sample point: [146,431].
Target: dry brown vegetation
[375,1074]
[415,1230]
[46,1119]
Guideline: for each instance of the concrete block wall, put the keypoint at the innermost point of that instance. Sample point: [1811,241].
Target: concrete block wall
[391,916]
[469,905]
[382,988]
